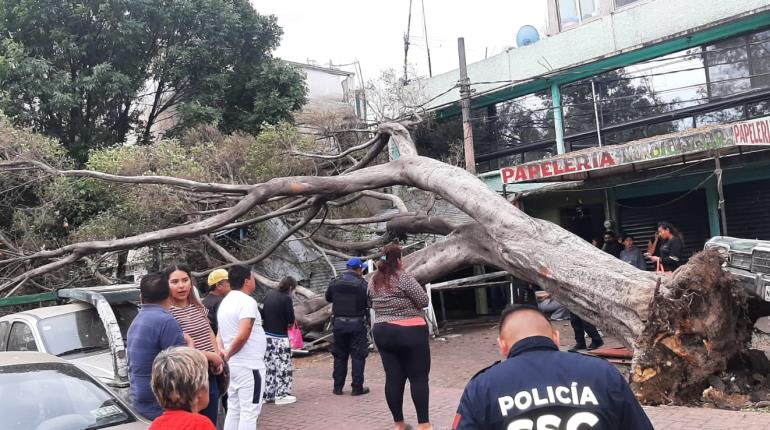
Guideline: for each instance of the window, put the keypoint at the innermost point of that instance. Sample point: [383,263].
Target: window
[573,12]
[21,338]
[621,3]
[4,326]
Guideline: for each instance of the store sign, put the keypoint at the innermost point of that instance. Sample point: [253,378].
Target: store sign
[754,132]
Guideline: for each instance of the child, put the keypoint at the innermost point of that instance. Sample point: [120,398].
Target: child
[180,383]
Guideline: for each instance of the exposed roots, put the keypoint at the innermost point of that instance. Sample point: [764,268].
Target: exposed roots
[696,325]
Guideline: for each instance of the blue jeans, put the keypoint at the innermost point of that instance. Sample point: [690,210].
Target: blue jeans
[212,409]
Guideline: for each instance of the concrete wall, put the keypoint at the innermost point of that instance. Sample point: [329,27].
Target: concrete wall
[628,29]
[324,86]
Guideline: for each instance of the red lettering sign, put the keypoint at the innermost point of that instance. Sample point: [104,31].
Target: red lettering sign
[569,167]
[546,169]
[557,170]
[534,171]
[507,174]
[521,173]
[607,160]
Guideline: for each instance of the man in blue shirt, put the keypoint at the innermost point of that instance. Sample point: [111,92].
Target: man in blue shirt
[153,330]
[538,387]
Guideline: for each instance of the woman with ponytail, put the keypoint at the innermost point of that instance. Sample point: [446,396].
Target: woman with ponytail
[401,335]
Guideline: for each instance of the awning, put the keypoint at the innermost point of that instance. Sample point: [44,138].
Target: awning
[689,145]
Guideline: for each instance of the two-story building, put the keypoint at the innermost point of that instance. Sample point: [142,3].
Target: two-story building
[627,113]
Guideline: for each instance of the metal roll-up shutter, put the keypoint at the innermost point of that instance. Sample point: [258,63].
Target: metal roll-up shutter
[747,206]
[639,217]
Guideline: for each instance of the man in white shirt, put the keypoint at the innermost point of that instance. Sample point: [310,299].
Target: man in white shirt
[240,327]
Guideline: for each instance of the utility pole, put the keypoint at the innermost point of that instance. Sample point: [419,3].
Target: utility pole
[465,104]
[425,32]
[406,43]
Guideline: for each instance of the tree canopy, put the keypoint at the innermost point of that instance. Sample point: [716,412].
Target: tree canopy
[95,74]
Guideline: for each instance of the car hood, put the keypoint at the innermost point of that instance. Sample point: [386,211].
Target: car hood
[97,364]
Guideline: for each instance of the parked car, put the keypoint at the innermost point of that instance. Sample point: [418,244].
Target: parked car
[748,260]
[44,392]
[90,332]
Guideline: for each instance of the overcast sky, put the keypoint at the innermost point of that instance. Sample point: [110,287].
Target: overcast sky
[371,32]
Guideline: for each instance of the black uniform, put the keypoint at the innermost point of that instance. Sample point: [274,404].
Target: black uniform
[540,387]
[347,293]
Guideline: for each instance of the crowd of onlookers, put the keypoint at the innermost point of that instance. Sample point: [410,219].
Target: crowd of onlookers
[664,254]
[185,354]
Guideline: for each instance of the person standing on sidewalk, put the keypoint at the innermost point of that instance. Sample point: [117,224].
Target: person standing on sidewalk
[401,335]
[152,331]
[347,294]
[191,316]
[537,386]
[219,286]
[279,316]
[631,254]
[240,327]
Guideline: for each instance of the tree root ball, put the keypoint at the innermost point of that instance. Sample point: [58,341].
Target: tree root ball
[697,323]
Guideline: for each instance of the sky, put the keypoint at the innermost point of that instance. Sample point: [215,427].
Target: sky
[372,32]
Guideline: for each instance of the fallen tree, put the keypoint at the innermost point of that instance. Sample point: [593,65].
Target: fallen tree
[682,328]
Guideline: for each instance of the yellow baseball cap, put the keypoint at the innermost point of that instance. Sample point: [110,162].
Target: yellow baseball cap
[216,276]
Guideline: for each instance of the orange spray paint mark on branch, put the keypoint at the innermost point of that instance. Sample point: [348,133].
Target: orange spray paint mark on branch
[296,187]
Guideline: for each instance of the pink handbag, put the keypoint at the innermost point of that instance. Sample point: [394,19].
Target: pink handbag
[295,337]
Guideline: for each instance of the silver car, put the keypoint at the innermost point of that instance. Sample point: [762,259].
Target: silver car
[90,332]
[748,260]
[43,392]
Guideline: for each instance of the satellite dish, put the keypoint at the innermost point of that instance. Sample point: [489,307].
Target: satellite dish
[527,35]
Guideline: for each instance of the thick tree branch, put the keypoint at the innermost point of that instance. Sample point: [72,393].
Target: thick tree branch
[343,154]
[149,179]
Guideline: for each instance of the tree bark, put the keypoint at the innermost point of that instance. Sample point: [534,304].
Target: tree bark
[682,328]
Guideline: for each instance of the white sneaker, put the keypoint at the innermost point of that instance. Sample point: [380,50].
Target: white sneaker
[285,400]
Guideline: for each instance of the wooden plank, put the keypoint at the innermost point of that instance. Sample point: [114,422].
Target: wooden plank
[28,299]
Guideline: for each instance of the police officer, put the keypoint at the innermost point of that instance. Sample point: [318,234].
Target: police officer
[347,293]
[539,387]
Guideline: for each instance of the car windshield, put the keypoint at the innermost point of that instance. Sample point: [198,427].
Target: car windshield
[56,396]
[79,331]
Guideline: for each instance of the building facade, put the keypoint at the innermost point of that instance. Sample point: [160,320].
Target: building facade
[630,113]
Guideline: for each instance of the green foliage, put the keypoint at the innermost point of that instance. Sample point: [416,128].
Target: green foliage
[268,156]
[91,73]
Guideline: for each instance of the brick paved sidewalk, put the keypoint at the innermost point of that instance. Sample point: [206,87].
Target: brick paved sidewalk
[317,408]
[454,360]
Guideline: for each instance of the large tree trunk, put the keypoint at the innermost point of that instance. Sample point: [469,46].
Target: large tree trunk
[682,328]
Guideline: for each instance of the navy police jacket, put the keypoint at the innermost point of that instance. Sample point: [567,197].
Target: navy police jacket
[347,294]
[539,387]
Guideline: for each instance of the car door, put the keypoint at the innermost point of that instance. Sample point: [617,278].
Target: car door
[5,327]
[21,337]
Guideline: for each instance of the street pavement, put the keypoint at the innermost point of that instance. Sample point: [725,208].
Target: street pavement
[456,358]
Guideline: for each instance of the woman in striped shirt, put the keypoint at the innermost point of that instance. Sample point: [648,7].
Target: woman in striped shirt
[188,310]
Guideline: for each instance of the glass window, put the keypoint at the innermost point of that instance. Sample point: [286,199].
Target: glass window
[728,67]
[55,395]
[621,3]
[723,116]
[568,14]
[21,338]
[74,332]
[759,57]
[757,110]
[588,9]
[4,326]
